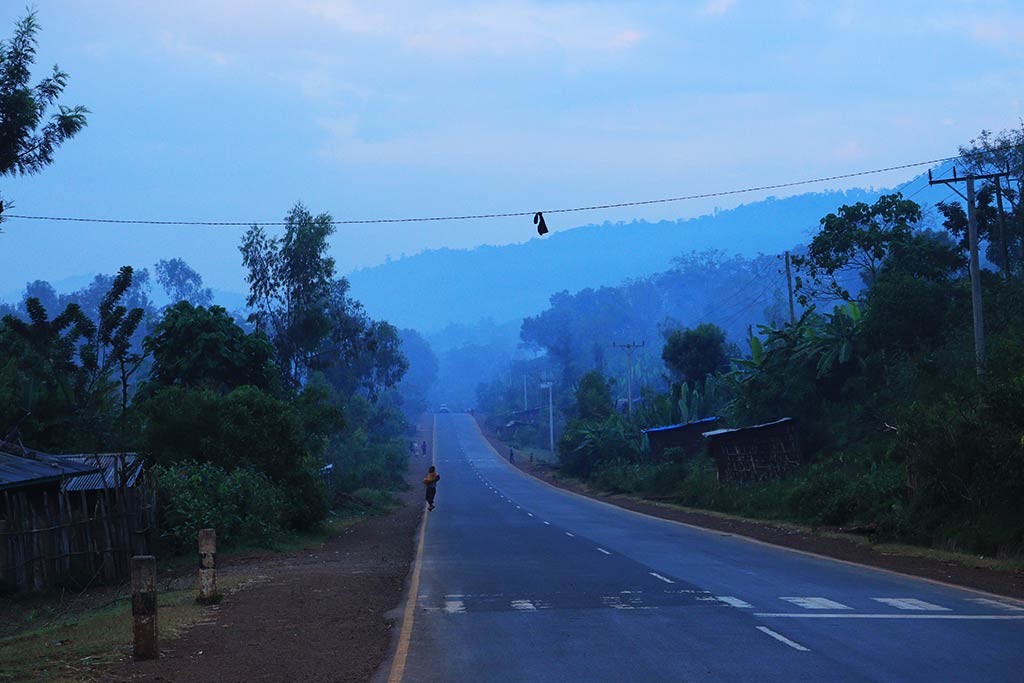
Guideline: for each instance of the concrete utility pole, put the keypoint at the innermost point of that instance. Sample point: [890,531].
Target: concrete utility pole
[789,286]
[972,240]
[1002,230]
[629,348]
[551,417]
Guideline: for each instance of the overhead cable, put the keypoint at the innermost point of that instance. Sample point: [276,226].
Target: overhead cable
[482,216]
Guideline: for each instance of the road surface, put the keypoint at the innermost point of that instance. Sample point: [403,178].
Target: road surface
[519,581]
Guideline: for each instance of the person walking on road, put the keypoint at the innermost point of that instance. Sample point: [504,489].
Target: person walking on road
[423,447]
[430,481]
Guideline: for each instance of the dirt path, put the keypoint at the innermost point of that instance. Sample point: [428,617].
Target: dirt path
[322,615]
[850,549]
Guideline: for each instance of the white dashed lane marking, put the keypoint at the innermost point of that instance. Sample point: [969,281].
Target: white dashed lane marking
[911,603]
[548,523]
[602,550]
[733,602]
[454,606]
[661,578]
[998,604]
[816,603]
[782,639]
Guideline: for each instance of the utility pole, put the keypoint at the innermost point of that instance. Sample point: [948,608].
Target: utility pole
[526,405]
[972,241]
[629,348]
[551,417]
[1002,230]
[789,286]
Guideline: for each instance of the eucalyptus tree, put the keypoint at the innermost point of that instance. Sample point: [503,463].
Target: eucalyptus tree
[33,124]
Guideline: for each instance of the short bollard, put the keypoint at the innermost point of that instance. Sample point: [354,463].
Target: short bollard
[144,641]
[208,566]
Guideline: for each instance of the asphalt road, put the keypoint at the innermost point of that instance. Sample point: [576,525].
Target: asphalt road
[520,581]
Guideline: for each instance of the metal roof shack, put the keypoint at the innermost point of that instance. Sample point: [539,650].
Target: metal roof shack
[757,452]
[24,468]
[110,470]
[685,435]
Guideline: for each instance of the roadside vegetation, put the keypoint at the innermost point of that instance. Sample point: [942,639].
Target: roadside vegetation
[257,426]
[903,439]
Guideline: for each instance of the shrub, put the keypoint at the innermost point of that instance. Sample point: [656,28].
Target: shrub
[241,504]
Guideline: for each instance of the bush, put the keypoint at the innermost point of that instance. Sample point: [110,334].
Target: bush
[241,504]
[305,494]
[362,462]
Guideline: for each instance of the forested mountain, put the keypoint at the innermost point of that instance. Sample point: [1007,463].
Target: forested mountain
[433,289]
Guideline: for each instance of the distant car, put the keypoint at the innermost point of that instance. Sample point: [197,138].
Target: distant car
[443,409]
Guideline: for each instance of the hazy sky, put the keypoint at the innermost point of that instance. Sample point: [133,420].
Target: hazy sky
[236,109]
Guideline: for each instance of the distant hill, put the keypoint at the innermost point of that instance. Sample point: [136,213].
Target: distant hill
[433,289]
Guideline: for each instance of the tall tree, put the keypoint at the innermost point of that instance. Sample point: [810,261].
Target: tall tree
[182,283]
[693,354]
[854,240]
[291,288]
[27,139]
[78,357]
[990,152]
[197,347]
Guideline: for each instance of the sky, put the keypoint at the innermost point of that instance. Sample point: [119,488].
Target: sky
[234,110]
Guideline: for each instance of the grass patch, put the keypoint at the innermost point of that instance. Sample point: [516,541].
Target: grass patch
[1011,565]
[69,648]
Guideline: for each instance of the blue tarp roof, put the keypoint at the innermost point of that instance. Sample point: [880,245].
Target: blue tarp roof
[681,424]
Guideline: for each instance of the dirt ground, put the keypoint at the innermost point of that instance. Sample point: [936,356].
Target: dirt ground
[830,544]
[323,615]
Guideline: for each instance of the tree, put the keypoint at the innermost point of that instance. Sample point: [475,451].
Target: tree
[195,347]
[1004,234]
[693,354]
[77,358]
[854,240]
[419,379]
[593,397]
[291,288]
[182,283]
[27,144]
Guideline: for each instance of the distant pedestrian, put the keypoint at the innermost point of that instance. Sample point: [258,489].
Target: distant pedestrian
[423,447]
[512,455]
[430,481]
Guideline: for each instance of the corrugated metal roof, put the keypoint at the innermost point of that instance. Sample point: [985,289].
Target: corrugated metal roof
[106,468]
[681,424]
[719,432]
[37,468]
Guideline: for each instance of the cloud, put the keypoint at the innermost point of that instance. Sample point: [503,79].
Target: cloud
[716,7]
[181,46]
[503,28]
[1003,34]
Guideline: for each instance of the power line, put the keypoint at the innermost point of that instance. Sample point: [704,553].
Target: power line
[482,216]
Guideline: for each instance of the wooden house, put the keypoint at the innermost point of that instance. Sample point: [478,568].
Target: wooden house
[686,436]
[70,519]
[755,453]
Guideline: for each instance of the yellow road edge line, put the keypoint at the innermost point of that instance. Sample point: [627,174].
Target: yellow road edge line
[741,537]
[409,615]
